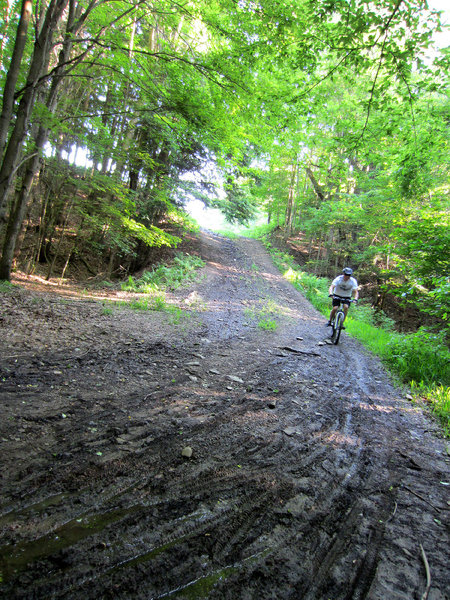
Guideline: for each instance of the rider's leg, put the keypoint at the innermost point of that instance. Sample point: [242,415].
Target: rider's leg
[346,307]
[334,308]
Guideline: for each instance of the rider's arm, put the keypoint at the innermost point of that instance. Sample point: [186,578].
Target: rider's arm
[333,285]
[355,293]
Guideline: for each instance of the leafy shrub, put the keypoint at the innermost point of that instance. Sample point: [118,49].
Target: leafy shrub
[374,338]
[421,357]
[439,398]
[314,288]
[260,231]
[164,277]
[6,286]
[144,304]
[267,324]
[370,316]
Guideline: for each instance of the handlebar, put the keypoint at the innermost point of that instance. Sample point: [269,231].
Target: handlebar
[342,298]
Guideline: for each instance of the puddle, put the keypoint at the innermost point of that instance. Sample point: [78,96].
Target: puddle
[14,559]
[146,556]
[198,516]
[200,588]
[37,507]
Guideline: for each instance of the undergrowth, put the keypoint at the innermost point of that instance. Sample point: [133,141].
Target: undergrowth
[156,302]
[153,285]
[164,277]
[267,324]
[265,315]
[6,286]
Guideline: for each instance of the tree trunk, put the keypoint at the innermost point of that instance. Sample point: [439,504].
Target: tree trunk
[290,203]
[112,258]
[61,237]
[38,67]
[42,134]
[66,264]
[18,212]
[7,11]
[316,265]
[9,244]
[301,201]
[112,129]
[315,183]
[13,72]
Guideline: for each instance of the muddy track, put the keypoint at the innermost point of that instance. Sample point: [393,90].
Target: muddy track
[311,476]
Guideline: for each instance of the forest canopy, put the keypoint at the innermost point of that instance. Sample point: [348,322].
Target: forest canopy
[329,116]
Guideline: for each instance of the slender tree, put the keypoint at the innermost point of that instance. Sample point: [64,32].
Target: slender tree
[13,72]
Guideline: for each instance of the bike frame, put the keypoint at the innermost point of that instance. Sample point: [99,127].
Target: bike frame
[338,320]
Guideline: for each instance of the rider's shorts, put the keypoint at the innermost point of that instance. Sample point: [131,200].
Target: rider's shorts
[337,301]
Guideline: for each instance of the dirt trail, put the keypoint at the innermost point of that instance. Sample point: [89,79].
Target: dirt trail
[311,476]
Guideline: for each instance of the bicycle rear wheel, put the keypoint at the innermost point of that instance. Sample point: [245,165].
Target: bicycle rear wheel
[338,322]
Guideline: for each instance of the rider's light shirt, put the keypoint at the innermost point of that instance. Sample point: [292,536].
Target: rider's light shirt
[344,288]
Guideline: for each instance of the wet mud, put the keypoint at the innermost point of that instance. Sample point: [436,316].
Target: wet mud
[311,475]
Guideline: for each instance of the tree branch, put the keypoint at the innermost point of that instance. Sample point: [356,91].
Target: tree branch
[110,114]
[372,91]
[326,76]
[410,98]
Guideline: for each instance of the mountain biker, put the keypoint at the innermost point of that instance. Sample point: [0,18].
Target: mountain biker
[343,287]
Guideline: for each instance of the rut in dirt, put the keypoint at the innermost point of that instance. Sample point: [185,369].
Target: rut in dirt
[310,477]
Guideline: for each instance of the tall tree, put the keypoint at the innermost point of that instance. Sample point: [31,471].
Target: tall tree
[166,86]
[13,72]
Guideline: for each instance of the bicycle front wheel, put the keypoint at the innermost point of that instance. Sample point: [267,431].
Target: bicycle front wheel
[339,321]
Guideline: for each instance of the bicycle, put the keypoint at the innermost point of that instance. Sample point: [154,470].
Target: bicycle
[337,324]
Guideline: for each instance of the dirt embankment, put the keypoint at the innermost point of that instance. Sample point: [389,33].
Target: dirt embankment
[311,476]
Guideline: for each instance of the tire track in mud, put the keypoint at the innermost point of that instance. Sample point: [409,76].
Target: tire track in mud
[238,528]
[304,500]
[245,514]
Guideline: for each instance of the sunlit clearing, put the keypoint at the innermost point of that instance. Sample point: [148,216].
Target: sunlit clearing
[208,218]
[213,219]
